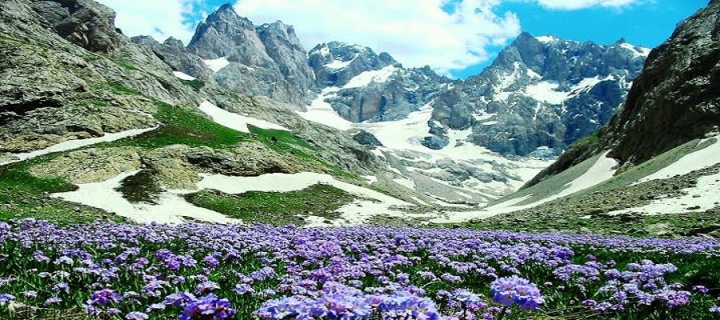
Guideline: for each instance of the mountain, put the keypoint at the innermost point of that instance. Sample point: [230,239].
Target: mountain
[654,169]
[511,120]
[541,92]
[672,102]
[364,86]
[83,107]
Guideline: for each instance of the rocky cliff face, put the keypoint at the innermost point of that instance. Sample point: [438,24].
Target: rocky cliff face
[674,100]
[267,60]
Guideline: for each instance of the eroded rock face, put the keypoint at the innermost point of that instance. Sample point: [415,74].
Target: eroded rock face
[676,98]
[179,166]
[367,139]
[85,23]
[174,53]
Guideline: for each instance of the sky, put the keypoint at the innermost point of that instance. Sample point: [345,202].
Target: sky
[457,38]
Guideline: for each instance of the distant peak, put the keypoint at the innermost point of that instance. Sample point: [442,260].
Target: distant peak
[621,41]
[226,7]
[525,34]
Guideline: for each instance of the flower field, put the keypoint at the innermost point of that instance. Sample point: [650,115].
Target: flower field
[203,271]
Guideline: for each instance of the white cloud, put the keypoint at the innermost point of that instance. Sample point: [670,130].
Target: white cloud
[416,33]
[583,4]
[157,18]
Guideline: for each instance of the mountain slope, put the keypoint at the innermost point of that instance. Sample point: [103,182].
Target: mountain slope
[673,101]
[84,106]
[654,169]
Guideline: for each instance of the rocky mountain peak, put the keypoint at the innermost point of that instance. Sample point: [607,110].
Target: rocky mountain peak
[174,43]
[221,33]
[279,30]
[267,60]
[541,93]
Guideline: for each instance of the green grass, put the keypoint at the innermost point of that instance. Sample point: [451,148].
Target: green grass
[23,195]
[120,89]
[181,126]
[195,84]
[277,208]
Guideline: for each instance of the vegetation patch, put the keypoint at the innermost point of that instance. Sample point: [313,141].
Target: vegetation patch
[277,208]
[140,188]
[183,126]
[196,84]
[121,89]
[233,272]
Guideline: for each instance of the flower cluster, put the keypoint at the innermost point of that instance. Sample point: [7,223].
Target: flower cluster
[203,271]
[514,290]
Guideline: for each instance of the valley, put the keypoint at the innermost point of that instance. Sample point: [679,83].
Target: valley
[239,176]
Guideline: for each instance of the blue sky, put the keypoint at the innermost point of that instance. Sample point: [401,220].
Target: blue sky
[455,37]
[646,25]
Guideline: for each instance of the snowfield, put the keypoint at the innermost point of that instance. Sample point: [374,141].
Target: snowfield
[707,157]
[704,196]
[172,207]
[601,171]
[183,76]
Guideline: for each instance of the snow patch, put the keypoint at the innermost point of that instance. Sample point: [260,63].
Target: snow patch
[235,121]
[183,76]
[707,157]
[547,39]
[171,207]
[320,111]
[701,197]
[368,77]
[371,179]
[405,183]
[76,144]
[337,64]
[637,51]
[545,91]
[217,64]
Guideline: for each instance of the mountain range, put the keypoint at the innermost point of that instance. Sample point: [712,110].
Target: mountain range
[150,123]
